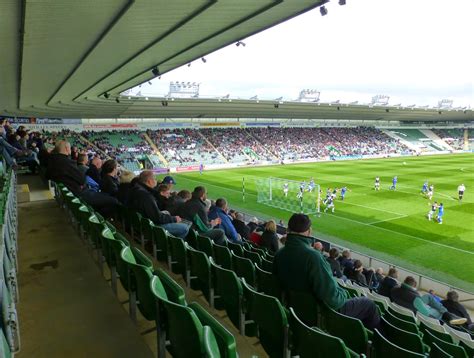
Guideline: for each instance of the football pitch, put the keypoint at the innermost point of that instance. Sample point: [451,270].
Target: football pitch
[391,225]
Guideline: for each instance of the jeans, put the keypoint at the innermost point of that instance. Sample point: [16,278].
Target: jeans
[363,309]
[436,308]
[176,229]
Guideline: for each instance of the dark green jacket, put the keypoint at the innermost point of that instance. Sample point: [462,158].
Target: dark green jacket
[299,267]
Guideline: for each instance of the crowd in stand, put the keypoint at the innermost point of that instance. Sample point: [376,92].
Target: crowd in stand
[183,146]
[455,138]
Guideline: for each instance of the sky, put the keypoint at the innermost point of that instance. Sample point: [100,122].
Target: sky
[415,51]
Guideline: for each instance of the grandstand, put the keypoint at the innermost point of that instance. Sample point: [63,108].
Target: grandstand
[88,269]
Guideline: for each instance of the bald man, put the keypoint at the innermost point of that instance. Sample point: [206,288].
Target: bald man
[62,169]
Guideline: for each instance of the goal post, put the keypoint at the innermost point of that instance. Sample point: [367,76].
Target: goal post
[290,195]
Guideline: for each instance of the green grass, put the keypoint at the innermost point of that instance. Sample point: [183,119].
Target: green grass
[390,225]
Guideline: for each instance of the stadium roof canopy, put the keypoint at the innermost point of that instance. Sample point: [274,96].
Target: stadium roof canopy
[59,58]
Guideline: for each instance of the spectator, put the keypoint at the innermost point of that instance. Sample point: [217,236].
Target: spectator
[377,279]
[346,262]
[239,224]
[109,181]
[82,161]
[62,169]
[388,283]
[168,180]
[195,211]
[94,169]
[220,211]
[357,273]
[162,196]
[177,201]
[298,267]
[142,200]
[318,246]
[407,296]
[127,181]
[269,237]
[253,224]
[334,263]
[436,297]
[453,306]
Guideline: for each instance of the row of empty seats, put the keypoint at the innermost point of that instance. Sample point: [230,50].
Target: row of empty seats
[9,295]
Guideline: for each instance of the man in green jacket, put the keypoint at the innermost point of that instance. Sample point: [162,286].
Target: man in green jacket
[299,267]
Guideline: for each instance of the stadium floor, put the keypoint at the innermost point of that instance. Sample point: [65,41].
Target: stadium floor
[389,225]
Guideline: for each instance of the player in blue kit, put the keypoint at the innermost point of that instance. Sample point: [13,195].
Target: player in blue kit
[425,187]
[311,185]
[440,213]
[394,183]
[343,192]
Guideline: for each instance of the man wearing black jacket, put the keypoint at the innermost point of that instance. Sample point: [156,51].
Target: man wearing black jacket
[242,229]
[196,208]
[142,200]
[62,169]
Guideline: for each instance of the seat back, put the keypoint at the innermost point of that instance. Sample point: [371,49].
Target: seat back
[105,238]
[222,256]
[237,248]
[268,283]
[200,268]
[404,339]
[211,349]
[437,352]
[178,255]
[270,317]
[306,307]
[436,331]
[229,288]
[117,246]
[350,330]
[174,292]
[185,331]
[142,269]
[267,265]
[147,229]
[402,312]
[402,324]
[254,256]
[205,245]
[160,244]
[383,348]
[452,349]
[244,268]
[191,239]
[225,340]
[312,343]
[200,226]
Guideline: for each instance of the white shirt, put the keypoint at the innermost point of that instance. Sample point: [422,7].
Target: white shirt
[461,188]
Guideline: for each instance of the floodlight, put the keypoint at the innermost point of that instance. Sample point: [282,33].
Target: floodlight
[323,10]
[155,71]
[203,60]
[240,43]
[149,82]
[189,64]
[117,100]
[106,95]
[342,2]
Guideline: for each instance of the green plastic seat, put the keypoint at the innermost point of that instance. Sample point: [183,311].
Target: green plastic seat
[200,268]
[211,349]
[225,340]
[404,339]
[161,251]
[174,292]
[402,324]
[270,316]
[468,349]
[453,349]
[140,272]
[179,257]
[117,246]
[306,307]
[349,329]
[228,288]
[437,352]
[254,256]
[4,347]
[268,283]
[406,317]
[441,335]
[244,268]
[236,248]
[204,244]
[222,256]
[383,348]
[269,256]
[136,226]
[191,239]
[185,331]
[109,256]
[267,265]
[313,343]
[147,229]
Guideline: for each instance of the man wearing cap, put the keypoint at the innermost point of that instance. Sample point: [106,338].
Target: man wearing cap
[168,180]
[299,267]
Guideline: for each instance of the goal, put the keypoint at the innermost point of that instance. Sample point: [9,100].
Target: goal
[287,195]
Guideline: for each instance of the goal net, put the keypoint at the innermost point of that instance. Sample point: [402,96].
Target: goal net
[290,195]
